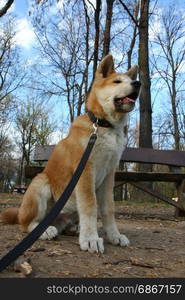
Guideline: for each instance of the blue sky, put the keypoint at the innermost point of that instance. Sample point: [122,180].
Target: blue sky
[25,34]
[165,3]
[21,7]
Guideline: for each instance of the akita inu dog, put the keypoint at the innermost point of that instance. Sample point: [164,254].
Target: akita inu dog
[111,97]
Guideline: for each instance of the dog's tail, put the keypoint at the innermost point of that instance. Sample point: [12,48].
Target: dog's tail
[10,215]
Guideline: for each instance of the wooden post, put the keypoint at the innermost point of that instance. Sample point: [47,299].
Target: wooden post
[180,186]
[181,199]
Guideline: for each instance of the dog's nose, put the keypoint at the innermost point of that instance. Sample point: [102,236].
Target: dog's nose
[136,83]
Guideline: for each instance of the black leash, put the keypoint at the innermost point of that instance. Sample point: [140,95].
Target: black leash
[36,233]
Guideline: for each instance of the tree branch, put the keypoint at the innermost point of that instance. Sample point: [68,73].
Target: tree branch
[129,13]
[4,10]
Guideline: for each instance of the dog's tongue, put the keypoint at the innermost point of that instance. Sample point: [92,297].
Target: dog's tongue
[127,99]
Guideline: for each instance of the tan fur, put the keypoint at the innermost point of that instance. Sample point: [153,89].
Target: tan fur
[29,208]
[10,215]
[94,189]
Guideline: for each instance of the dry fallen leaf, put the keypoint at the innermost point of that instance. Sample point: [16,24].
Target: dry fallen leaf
[141,263]
[54,251]
[22,265]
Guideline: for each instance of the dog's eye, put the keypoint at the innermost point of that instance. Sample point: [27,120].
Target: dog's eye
[117,81]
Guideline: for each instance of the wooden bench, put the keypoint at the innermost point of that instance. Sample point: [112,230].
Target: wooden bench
[175,160]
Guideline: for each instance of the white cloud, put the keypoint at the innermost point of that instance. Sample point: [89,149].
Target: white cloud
[25,36]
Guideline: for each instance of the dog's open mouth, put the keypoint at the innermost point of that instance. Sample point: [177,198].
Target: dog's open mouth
[128,99]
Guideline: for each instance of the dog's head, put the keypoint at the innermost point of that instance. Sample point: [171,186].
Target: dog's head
[115,92]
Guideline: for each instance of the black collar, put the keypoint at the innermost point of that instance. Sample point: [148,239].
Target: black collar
[100,122]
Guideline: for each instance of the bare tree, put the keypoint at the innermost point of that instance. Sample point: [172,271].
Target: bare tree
[12,73]
[87,50]
[11,78]
[34,127]
[169,64]
[134,33]
[107,35]
[7,163]
[145,135]
[140,19]
[65,46]
[97,11]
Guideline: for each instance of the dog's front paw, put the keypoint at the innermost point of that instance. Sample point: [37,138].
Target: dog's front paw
[50,233]
[92,244]
[118,239]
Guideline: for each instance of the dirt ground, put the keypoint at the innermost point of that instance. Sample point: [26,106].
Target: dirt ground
[156,248]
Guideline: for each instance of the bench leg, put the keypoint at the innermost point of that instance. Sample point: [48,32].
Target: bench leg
[181,199]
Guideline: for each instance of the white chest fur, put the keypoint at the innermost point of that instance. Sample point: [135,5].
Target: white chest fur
[107,152]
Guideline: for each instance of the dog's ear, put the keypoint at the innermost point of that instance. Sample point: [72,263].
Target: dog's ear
[132,72]
[106,67]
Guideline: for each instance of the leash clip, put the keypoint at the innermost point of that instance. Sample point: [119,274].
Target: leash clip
[95,127]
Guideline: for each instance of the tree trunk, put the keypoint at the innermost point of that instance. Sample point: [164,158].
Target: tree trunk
[145,136]
[97,33]
[87,22]
[133,40]
[132,44]
[21,171]
[106,42]
[174,113]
